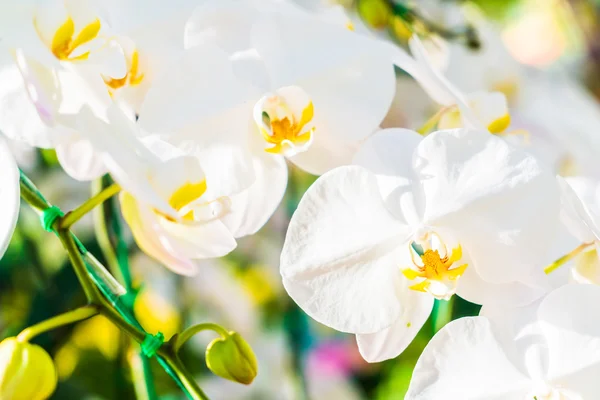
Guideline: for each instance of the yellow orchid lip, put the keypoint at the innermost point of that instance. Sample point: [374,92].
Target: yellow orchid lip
[436,274]
[186,194]
[65,42]
[283,132]
[186,201]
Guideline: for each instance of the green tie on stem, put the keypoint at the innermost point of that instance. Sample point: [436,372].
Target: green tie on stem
[103,292]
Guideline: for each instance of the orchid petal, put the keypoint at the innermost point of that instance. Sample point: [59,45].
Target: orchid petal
[339,258]
[80,160]
[465,361]
[252,208]
[487,192]
[390,342]
[9,196]
[573,335]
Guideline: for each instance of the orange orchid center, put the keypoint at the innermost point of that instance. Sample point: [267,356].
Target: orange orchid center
[283,130]
[435,273]
[133,76]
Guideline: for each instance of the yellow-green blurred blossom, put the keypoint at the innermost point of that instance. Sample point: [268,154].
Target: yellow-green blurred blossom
[376,13]
[26,371]
[156,314]
[66,360]
[98,333]
[232,358]
[259,284]
[400,29]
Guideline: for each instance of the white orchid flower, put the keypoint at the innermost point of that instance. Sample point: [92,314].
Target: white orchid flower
[41,38]
[184,205]
[48,104]
[211,214]
[46,42]
[150,41]
[372,245]
[481,109]
[550,350]
[9,195]
[288,85]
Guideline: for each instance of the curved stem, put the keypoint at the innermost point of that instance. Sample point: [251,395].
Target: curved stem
[186,378]
[567,257]
[73,216]
[180,339]
[67,318]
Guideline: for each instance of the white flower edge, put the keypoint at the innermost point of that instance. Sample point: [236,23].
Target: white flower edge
[9,195]
[548,348]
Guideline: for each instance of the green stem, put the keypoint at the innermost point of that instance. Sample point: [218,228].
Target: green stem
[138,373]
[97,298]
[442,313]
[180,339]
[32,195]
[67,318]
[118,260]
[295,321]
[73,216]
[109,312]
[90,290]
[121,247]
[188,381]
[102,235]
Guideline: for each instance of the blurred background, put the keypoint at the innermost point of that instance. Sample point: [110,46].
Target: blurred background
[298,358]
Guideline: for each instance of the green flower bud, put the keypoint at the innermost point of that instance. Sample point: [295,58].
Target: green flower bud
[232,358]
[376,13]
[26,371]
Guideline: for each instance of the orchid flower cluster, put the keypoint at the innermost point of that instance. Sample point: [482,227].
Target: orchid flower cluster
[198,109]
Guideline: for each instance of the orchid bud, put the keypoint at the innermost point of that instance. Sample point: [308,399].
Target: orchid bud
[232,358]
[376,13]
[26,371]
